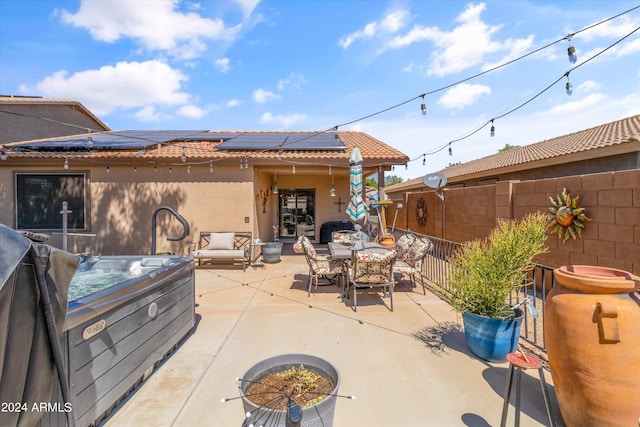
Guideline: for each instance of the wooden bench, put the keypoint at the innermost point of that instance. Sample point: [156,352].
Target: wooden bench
[223,246]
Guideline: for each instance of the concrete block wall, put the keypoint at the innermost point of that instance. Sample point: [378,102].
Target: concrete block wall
[611,200]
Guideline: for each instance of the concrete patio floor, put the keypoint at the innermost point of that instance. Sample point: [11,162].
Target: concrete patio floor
[409,367]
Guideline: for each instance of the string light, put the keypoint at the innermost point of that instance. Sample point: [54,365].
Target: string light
[424,160]
[568,86]
[274,190]
[211,166]
[66,163]
[423,107]
[135,169]
[184,156]
[89,142]
[330,172]
[493,129]
[108,169]
[3,155]
[155,167]
[332,192]
[293,169]
[571,51]
[189,168]
[450,150]
[246,163]
[170,169]
[241,164]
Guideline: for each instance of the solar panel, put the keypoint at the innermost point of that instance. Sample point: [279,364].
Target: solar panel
[283,141]
[139,139]
[115,140]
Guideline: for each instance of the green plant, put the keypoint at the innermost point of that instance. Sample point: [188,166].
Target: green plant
[485,272]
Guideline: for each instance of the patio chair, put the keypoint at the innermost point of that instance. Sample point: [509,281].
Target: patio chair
[371,269]
[411,253]
[320,266]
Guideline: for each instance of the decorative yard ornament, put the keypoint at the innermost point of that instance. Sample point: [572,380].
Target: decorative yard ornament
[566,217]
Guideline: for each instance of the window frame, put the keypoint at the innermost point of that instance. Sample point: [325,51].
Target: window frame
[86,199]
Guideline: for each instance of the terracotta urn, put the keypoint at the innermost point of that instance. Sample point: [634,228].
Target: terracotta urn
[592,334]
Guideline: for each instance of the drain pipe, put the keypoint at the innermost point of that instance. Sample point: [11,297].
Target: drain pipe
[179,217]
[52,333]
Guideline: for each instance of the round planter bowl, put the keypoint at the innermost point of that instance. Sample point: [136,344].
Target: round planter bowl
[492,339]
[320,414]
[271,252]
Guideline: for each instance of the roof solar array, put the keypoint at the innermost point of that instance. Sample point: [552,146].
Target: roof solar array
[283,141]
[139,139]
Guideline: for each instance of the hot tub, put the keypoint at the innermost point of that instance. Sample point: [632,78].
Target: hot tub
[114,337]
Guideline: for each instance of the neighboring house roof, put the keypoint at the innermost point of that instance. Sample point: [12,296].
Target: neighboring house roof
[202,146]
[617,137]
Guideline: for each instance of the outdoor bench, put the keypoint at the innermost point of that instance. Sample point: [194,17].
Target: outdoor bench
[223,246]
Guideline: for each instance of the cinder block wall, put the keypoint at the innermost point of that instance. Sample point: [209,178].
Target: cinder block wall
[611,200]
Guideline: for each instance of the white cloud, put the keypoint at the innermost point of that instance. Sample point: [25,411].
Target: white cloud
[284,120]
[222,64]
[579,105]
[390,23]
[247,6]
[191,111]
[587,86]
[608,30]
[148,114]
[262,96]
[293,79]
[125,85]
[155,25]
[233,102]
[463,95]
[463,47]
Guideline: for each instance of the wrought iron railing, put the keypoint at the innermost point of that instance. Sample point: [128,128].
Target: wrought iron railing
[540,280]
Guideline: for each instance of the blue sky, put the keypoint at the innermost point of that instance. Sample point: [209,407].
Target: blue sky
[312,65]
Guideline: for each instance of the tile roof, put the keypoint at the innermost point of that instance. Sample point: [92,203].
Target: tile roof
[555,149]
[374,151]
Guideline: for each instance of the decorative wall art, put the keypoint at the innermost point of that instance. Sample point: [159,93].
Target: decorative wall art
[565,217]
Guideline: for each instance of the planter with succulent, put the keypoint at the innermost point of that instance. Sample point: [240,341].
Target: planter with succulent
[484,275]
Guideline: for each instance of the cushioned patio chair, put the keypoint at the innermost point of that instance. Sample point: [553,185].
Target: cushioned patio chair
[411,253]
[320,266]
[371,269]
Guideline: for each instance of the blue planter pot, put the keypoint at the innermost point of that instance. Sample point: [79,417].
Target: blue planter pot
[492,339]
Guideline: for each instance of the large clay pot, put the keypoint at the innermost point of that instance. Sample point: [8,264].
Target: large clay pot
[592,334]
[492,339]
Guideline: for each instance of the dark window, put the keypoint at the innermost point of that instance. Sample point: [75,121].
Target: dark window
[39,200]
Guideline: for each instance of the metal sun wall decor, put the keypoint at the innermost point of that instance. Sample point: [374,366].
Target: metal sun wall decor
[566,217]
[421,212]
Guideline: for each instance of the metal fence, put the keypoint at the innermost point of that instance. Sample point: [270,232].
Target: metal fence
[437,265]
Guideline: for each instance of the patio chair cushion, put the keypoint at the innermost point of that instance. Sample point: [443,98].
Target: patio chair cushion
[297,246]
[221,241]
[403,245]
[417,252]
[373,267]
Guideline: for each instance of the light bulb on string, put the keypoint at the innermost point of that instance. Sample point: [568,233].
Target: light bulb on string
[330,172]
[155,167]
[571,52]
[3,155]
[492,133]
[135,169]
[274,190]
[241,164]
[170,169]
[450,150]
[211,166]
[332,192]
[568,87]
[424,160]
[246,163]
[189,168]
[89,142]
[423,106]
[184,156]
[293,169]
[108,169]
[66,163]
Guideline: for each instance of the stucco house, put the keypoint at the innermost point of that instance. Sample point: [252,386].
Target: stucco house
[25,118]
[217,180]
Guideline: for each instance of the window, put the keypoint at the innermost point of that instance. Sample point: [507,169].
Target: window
[39,200]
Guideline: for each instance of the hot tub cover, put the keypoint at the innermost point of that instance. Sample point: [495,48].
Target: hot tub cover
[26,359]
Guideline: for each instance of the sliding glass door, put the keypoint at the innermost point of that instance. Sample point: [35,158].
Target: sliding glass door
[297,213]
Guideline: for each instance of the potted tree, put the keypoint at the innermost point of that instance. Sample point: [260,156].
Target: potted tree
[484,274]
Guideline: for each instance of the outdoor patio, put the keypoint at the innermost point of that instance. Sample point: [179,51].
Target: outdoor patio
[409,367]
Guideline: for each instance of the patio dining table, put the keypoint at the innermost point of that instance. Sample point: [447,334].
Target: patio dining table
[343,250]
